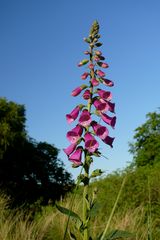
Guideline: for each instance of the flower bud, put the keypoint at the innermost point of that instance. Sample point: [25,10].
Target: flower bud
[96,173]
[87,40]
[84,75]
[87,52]
[100,73]
[103,65]
[91,66]
[76,91]
[83,62]
[94,82]
[98,53]
[102,58]
[98,44]
[96,58]
[107,82]
[86,94]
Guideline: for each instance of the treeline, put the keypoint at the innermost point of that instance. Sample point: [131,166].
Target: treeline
[29,170]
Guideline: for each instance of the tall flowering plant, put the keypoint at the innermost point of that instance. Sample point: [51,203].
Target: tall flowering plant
[85,136]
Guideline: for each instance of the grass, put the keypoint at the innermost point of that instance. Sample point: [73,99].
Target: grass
[137,211]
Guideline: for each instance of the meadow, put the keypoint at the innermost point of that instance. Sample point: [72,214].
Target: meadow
[137,210]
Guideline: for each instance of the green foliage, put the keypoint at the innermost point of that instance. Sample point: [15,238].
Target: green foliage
[117,234]
[137,210]
[74,216]
[12,124]
[146,148]
[29,170]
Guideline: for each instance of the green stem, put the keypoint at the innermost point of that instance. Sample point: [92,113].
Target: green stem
[85,199]
[86,170]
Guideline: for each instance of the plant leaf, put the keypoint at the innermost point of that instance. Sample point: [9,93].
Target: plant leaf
[68,212]
[88,204]
[74,216]
[96,173]
[117,234]
[72,236]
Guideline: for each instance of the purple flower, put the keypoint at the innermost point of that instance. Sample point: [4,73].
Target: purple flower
[94,82]
[76,156]
[104,94]
[99,130]
[70,149]
[87,94]
[101,105]
[100,73]
[90,143]
[84,75]
[76,91]
[109,120]
[103,65]
[74,135]
[108,82]
[108,140]
[91,66]
[73,115]
[85,118]
[111,107]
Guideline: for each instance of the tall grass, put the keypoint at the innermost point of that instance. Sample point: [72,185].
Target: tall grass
[16,224]
[137,211]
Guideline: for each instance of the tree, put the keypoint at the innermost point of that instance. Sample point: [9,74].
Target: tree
[29,170]
[12,124]
[146,147]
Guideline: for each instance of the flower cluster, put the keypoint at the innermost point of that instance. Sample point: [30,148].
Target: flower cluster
[83,137]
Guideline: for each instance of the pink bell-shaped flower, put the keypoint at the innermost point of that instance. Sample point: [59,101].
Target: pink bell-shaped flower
[74,135]
[76,157]
[99,130]
[94,82]
[111,107]
[109,120]
[87,94]
[85,118]
[70,149]
[101,105]
[90,143]
[73,115]
[104,94]
[108,140]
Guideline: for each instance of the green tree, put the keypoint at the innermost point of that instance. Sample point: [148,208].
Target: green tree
[146,147]
[29,170]
[12,124]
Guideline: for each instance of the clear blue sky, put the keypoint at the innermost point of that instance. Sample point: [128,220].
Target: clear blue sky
[41,43]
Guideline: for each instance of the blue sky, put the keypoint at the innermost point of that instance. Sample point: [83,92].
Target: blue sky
[41,43]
